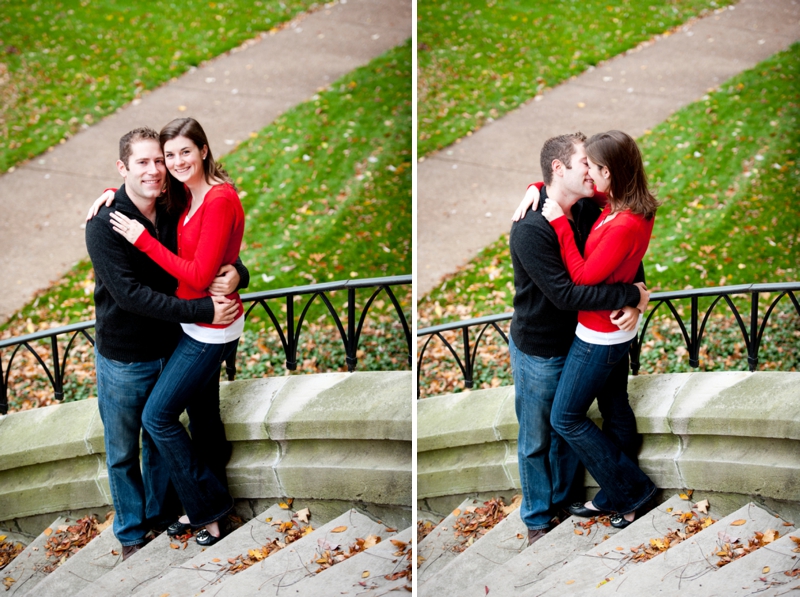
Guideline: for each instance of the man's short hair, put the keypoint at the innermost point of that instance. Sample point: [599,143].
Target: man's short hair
[558,148]
[128,139]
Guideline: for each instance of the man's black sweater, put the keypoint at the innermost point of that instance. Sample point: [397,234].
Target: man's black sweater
[546,301]
[137,316]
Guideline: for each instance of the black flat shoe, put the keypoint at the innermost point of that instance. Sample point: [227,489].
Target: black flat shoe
[618,521]
[579,509]
[206,539]
[178,528]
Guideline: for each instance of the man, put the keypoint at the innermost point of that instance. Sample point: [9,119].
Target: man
[136,330]
[543,326]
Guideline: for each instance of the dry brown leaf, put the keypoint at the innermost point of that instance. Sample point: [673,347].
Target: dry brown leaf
[371,541]
[738,523]
[770,535]
[48,531]
[174,546]
[516,502]
[456,512]
[702,506]
[339,529]
[215,560]
[578,532]
[303,515]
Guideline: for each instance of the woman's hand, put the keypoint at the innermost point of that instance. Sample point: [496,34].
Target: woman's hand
[107,198]
[530,200]
[130,229]
[226,282]
[626,319]
[552,210]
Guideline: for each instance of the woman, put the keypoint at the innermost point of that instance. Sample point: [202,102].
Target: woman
[210,231]
[597,361]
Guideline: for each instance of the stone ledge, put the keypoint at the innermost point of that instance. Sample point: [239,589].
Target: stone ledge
[720,431]
[53,459]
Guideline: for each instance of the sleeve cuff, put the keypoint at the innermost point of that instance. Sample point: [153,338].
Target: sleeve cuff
[205,310]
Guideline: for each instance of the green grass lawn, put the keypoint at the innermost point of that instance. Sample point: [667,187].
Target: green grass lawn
[66,64]
[726,169]
[327,195]
[479,59]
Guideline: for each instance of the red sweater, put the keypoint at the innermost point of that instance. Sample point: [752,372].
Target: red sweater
[613,253]
[211,238]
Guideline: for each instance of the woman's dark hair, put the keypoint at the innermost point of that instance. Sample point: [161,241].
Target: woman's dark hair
[176,197]
[628,189]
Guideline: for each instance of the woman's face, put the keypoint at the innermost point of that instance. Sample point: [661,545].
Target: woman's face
[600,175]
[184,159]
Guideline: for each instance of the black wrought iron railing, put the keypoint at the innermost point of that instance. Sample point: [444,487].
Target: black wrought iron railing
[288,330]
[692,327]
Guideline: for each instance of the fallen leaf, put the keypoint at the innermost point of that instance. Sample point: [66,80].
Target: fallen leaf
[303,515]
[456,512]
[702,506]
[3,537]
[683,496]
[339,529]
[485,589]
[174,546]
[569,582]
[48,531]
[738,523]
[578,532]
[215,560]
[114,552]
[765,569]
[770,535]
[365,574]
[619,548]
[371,541]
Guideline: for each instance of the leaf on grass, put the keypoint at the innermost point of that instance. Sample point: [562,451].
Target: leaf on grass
[738,523]
[339,529]
[702,506]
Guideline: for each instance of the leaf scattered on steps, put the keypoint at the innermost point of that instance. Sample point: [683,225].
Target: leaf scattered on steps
[48,531]
[765,569]
[734,550]
[738,523]
[476,523]
[516,502]
[215,560]
[702,506]
[578,532]
[365,574]
[457,512]
[569,582]
[605,580]
[340,529]
[174,546]
[303,515]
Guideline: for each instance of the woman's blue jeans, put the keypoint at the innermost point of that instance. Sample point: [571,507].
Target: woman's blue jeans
[548,467]
[609,455]
[204,496]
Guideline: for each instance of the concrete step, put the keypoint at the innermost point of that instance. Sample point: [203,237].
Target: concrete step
[207,567]
[588,568]
[505,541]
[27,569]
[274,575]
[747,575]
[144,567]
[435,551]
[688,567]
[347,578]
[94,560]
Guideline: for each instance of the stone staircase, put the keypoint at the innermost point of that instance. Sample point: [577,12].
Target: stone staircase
[578,558]
[348,555]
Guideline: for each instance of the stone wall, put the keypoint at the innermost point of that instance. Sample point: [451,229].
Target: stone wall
[334,440]
[733,433]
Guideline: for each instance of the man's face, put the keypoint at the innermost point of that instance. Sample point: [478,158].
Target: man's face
[576,179]
[145,173]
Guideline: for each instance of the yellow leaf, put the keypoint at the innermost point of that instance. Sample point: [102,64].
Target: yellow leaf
[174,546]
[308,530]
[578,532]
[683,496]
[339,529]
[569,582]
[164,594]
[618,548]
[3,537]
[769,536]
[738,523]
[215,560]
[765,569]
[284,505]
[371,541]
[707,522]
[48,531]
[456,512]
[365,574]
[605,580]
[669,509]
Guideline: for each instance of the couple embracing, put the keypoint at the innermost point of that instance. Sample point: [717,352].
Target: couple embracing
[579,298]
[165,250]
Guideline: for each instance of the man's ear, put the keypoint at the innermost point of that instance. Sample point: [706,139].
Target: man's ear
[558,167]
[123,170]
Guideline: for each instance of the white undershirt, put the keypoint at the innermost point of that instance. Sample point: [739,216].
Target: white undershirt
[606,338]
[215,335]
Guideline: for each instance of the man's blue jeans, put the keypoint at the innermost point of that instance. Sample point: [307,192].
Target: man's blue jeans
[191,367]
[609,455]
[142,497]
[547,465]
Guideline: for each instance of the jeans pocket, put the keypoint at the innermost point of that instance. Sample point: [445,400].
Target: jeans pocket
[617,352]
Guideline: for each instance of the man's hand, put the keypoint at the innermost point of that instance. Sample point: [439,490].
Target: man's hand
[626,319]
[107,198]
[552,210]
[224,310]
[644,297]
[226,282]
[530,200]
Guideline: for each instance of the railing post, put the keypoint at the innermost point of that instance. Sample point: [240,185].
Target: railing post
[468,381]
[58,383]
[694,348]
[634,353]
[4,388]
[752,352]
[350,357]
[291,344]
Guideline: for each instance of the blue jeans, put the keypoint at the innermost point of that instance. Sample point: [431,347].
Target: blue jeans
[547,465]
[143,498]
[609,455]
[191,367]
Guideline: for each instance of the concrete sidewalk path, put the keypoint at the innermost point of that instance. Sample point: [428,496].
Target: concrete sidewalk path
[467,192]
[45,200]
